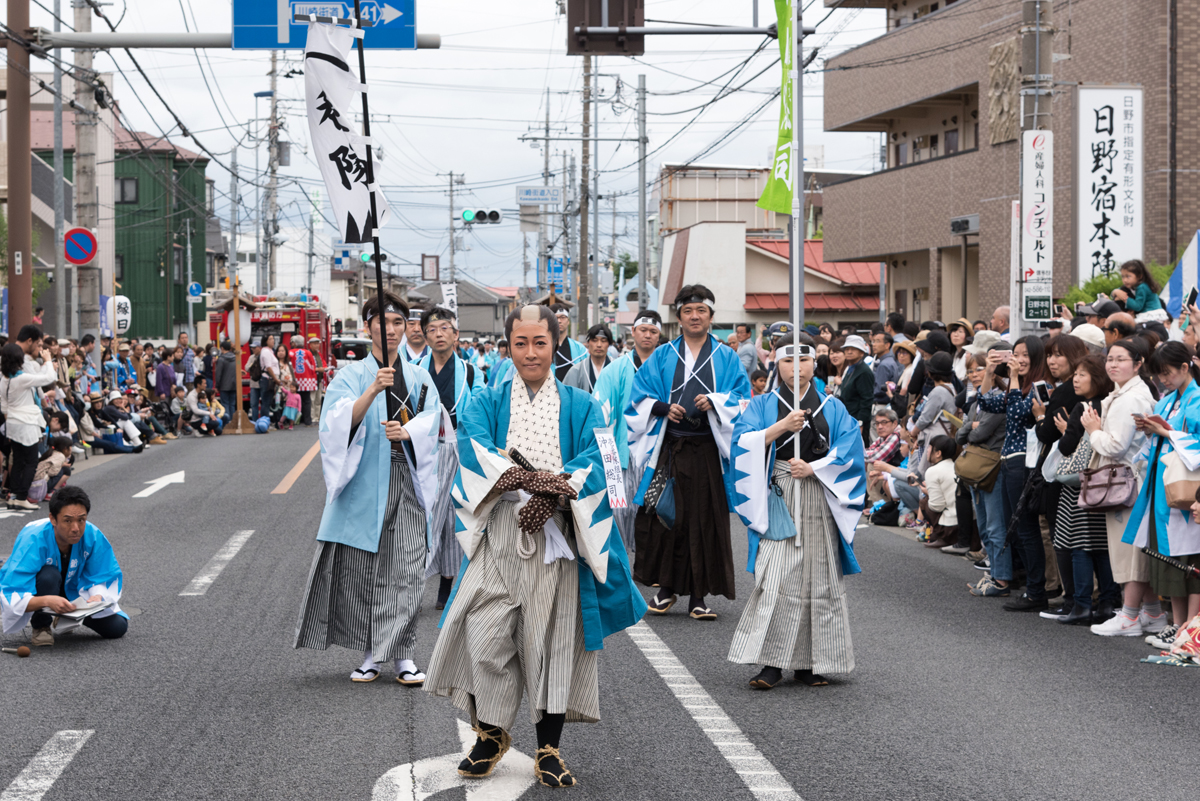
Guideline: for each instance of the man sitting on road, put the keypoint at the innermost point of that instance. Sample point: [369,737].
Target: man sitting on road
[58,559]
[199,415]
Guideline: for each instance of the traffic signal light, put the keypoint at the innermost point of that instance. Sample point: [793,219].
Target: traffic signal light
[368,257]
[482,216]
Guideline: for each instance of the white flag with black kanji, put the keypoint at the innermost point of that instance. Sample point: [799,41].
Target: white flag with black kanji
[330,90]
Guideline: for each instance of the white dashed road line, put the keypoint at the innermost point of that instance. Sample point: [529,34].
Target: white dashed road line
[208,575]
[758,774]
[46,766]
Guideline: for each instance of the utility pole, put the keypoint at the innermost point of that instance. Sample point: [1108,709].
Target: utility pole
[542,250]
[87,198]
[187,222]
[451,231]
[61,326]
[569,221]
[231,263]
[273,183]
[525,260]
[643,257]
[1037,82]
[594,296]
[312,226]
[585,167]
[20,176]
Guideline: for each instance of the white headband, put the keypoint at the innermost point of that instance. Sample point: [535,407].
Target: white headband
[647,321]
[679,304]
[799,351]
[389,309]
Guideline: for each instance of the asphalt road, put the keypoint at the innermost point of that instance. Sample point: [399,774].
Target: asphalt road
[953,698]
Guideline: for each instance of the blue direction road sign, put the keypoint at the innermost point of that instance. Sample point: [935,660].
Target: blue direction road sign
[267,25]
[195,290]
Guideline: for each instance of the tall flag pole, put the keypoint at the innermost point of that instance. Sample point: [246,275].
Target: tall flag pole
[359,207]
[795,231]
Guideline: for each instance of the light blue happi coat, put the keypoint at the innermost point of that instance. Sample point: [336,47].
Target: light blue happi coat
[1178,534]
[500,371]
[92,570]
[842,472]
[462,393]
[613,389]
[655,381]
[608,599]
[357,466]
[578,353]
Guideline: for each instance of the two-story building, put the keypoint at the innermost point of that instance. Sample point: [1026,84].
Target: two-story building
[941,86]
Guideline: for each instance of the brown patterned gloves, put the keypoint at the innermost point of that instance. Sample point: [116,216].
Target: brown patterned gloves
[546,489]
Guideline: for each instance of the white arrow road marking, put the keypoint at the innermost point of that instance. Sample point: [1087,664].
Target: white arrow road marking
[46,766]
[159,483]
[208,575]
[751,766]
[389,13]
[416,781]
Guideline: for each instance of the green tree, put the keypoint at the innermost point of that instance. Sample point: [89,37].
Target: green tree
[624,268]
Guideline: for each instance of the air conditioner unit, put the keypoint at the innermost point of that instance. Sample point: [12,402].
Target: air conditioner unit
[965,225]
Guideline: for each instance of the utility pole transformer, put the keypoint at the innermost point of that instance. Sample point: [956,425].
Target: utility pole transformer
[87,198]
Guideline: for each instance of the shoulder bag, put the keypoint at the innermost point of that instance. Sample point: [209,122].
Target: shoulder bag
[1109,488]
[1179,483]
[1070,468]
[978,467]
[780,523]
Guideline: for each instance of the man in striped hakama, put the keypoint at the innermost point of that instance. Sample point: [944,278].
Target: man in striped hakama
[457,382]
[613,389]
[364,588]
[796,617]
[547,578]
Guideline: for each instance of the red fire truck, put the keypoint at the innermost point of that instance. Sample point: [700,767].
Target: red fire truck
[281,318]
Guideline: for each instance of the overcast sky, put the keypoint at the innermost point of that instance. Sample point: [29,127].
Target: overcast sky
[462,109]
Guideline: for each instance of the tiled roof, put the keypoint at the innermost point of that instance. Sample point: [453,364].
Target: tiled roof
[813,302]
[855,273]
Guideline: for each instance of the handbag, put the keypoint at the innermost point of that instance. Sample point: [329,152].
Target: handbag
[780,523]
[1109,488]
[1179,483]
[1072,466]
[664,503]
[978,467]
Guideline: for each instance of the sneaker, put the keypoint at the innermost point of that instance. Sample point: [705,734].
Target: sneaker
[983,564]
[1119,626]
[42,637]
[77,449]
[986,588]
[158,441]
[957,550]
[15,503]
[1058,611]
[170,436]
[975,556]
[1152,623]
[195,434]
[1163,639]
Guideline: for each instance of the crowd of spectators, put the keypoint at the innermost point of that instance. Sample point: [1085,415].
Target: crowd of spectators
[1061,464]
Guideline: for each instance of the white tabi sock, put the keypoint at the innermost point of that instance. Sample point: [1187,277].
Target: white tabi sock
[407,666]
[368,663]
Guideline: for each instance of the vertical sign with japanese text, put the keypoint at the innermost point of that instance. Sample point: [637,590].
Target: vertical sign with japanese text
[777,196]
[1037,224]
[1108,193]
[330,88]
[450,297]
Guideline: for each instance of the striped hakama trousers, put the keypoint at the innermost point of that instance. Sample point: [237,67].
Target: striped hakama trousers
[514,628]
[370,601]
[796,617]
[449,554]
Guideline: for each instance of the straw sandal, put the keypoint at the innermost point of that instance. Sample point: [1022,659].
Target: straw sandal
[556,780]
[472,768]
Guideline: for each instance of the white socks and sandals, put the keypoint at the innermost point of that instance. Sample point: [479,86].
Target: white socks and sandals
[769,677]
[493,742]
[664,599]
[406,672]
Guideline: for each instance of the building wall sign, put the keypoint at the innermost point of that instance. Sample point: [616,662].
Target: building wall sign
[1109,195]
[1037,224]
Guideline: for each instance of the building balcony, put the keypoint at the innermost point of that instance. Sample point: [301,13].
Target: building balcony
[901,209]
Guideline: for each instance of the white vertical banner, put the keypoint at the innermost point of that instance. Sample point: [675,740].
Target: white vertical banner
[450,297]
[1014,261]
[1109,195]
[1037,225]
[330,89]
